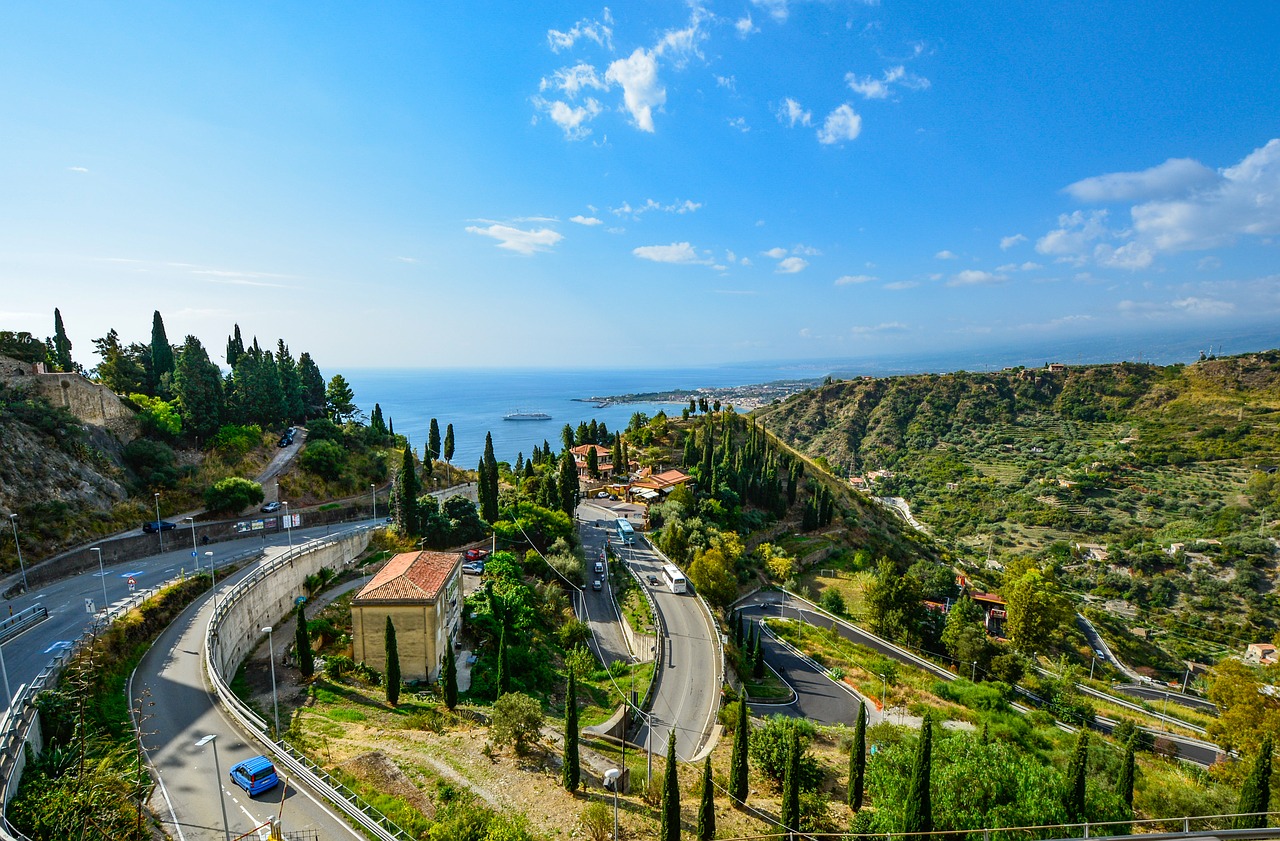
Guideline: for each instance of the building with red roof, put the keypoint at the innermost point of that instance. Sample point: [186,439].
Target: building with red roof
[422,593]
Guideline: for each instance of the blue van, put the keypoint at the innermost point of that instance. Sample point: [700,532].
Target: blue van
[255,775]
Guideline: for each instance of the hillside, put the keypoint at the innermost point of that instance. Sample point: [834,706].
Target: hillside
[1157,466]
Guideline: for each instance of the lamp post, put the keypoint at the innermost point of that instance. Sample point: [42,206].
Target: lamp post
[884,694]
[195,553]
[611,780]
[159,531]
[8,695]
[213,580]
[1092,663]
[288,523]
[973,673]
[102,573]
[373,493]
[275,698]
[13,521]
[217,778]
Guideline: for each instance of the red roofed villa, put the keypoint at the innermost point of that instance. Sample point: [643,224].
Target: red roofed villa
[421,592]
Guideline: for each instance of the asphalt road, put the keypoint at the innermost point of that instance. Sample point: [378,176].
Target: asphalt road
[1152,693]
[594,528]
[192,795]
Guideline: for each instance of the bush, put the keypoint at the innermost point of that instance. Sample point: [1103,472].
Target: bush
[233,442]
[153,463]
[597,821]
[323,458]
[323,430]
[769,749]
[232,494]
[832,601]
[517,721]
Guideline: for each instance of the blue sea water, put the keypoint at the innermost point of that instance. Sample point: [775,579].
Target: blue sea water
[475,401]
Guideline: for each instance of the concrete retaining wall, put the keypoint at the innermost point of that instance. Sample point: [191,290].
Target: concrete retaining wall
[272,598]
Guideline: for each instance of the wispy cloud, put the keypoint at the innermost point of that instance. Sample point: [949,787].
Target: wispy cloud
[974,277]
[740,123]
[601,32]
[744,27]
[1009,242]
[792,114]
[899,285]
[791,265]
[883,327]
[589,221]
[946,254]
[517,239]
[572,119]
[77,169]
[1174,177]
[681,253]
[679,207]
[850,279]
[841,125]
[883,87]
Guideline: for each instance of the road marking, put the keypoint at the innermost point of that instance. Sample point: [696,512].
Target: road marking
[59,645]
[134,574]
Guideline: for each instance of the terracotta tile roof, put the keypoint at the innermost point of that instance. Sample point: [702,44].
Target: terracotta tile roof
[668,479]
[411,576]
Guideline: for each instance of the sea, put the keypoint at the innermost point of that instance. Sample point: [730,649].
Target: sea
[476,400]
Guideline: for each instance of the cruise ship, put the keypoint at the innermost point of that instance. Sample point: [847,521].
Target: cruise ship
[522,415]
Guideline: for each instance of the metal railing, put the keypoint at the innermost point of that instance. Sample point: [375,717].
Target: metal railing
[320,781]
[16,623]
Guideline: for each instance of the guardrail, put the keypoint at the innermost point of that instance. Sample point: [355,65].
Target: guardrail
[316,778]
[15,726]
[18,622]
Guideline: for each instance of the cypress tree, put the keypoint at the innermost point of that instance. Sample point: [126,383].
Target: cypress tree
[737,629]
[290,384]
[448,451]
[757,657]
[407,493]
[393,665]
[593,463]
[568,484]
[61,344]
[1124,786]
[570,769]
[197,382]
[450,679]
[433,440]
[377,424]
[669,829]
[235,348]
[161,353]
[738,768]
[858,760]
[1073,793]
[707,807]
[504,676]
[1255,795]
[919,808]
[489,482]
[313,387]
[791,786]
[302,636]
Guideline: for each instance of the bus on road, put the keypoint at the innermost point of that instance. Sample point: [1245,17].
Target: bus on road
[626,534]
[674,577]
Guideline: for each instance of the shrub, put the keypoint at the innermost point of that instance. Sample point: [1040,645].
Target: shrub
[233,442]
[597,821]
[769,749]
[323,458]
[232,494]
[517,720]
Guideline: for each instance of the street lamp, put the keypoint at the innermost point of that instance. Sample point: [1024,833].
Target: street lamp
[373,493]
[884,694]
[271,649]
[213,580]
[288,523]
[612,781]
[194,552]
[8,695]
[13,520]
[217,777]
[159,531]
[102,573]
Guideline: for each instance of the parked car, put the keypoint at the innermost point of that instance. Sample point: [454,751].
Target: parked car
[599,568]
[269,507]
[285,441]
[475,568]
[158,525]
[255,775]
[597,585]
[602,495]
[474,554]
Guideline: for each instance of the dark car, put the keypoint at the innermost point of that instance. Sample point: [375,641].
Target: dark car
[158,525]
[653,581]
[270,506]
[286,441]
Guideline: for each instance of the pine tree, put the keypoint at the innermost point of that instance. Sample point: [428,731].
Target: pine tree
[858,760]
[738,769]
[235,348]
[313,388]
[433,440]
[1077,771]
[707,807]
[197,383]
[918,816]
[570,768]
[669,829]
[291,402]
[161,355]
[61,344]
[450,679]
[791,786]
[1255,794]
[340,400]
[504,674]
[448,452]
[302,637]
[393,665]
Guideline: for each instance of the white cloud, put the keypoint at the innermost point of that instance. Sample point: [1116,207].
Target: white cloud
[792,114]
[679,207]
[883,327]
[899,285]
[777,9]
[571,119]
[846,280]
[681,253]
[1019,267]
[1204,306]
[740,124]
[573,79]
[1075,234]
[599,31]
[946,254]
[1009,242]
[792,265]
[776,253]
[806,250]
[407,259]
[726,82]
[744,26]
[841,124]
[1174,177]
[518,240]
[1208,263]
[589,221]
[974,277]
[641,89]
[1131,255]
[870,88]
[78,169]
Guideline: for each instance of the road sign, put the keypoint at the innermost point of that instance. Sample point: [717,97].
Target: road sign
[89,607]
[132,582]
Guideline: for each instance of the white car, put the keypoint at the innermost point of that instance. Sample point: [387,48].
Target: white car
[597,585]
[599,568]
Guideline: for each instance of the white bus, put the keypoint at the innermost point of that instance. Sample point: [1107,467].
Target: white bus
[674,577]
[626,534]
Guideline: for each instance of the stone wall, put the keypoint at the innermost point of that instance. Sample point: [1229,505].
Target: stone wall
[91,403]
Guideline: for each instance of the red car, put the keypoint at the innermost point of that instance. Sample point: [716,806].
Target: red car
[474,554]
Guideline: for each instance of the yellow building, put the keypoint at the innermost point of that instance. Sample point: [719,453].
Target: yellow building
[422,593]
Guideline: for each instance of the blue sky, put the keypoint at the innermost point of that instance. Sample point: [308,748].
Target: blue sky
[492,184]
